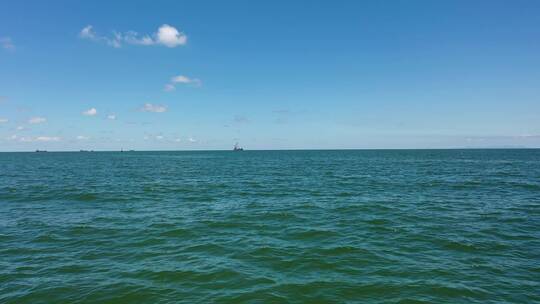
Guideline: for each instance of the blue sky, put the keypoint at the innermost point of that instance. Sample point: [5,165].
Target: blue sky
[155,75]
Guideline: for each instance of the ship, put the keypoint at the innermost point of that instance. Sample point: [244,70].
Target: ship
[237,148]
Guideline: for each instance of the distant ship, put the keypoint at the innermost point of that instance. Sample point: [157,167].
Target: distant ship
[237,148]
[41,151]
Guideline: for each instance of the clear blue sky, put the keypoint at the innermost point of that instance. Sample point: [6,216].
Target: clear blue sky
[269,74]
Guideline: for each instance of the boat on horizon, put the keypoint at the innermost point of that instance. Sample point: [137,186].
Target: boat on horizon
[237,148]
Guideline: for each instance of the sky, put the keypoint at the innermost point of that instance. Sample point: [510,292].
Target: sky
[202,75]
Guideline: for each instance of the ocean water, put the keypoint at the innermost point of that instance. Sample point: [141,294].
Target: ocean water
[388,226]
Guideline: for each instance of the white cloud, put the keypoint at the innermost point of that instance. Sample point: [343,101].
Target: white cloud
[90,112]
[7,43]
[47,138]
[87,32]
[34,139]
[181,79]
[82,137]
[170,36]
[4,120]
[132,37]
[166,35]
[148,107]
[192,140]
[178,140]
[169,87]
[111,117]
[20,128]
[37,120]
[158,136]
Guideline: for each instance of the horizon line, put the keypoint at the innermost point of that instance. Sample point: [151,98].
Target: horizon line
[262,150]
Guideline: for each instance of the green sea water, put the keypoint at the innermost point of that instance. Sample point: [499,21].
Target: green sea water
[388,226]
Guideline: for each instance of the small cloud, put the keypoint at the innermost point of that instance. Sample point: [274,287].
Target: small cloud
[192,140]
[158,136]
[111,116]
[132,37]
[148,107]
[26,139]
[138,123]
[528,136]
[82,137]
[34,139]
[186,80]
[241,119]
[166,35]
[36,120]
[114,43]
[7,43]
[20,128]
[47,138]
[177,140]
[181,79]
[87,32]
[90,112]
[169,87]
[4,120]
[170,36]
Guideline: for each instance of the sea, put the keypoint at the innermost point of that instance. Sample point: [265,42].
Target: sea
[305,226]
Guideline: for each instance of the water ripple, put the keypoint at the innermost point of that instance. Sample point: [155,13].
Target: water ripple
[442,226]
